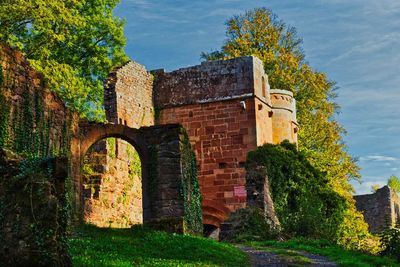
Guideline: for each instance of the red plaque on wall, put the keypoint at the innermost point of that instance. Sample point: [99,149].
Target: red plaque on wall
[240,191]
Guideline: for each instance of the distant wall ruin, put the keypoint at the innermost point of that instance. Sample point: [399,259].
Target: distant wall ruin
[381,209]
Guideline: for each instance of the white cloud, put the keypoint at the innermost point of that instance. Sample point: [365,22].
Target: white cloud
[378,158]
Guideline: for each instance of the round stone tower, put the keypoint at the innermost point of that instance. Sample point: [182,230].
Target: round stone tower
[284,122]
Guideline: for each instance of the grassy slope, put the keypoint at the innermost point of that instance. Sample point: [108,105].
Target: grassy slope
[139,246]
[332,252]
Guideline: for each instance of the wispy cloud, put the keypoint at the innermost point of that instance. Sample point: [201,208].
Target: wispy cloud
[355,42]
[378,158]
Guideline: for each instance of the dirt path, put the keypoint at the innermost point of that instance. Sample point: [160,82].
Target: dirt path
[261,258]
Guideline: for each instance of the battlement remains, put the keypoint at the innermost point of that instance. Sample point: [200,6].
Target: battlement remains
[210,82]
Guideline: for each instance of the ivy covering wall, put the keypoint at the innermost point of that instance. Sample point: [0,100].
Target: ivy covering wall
[35,128]
[190,190]
[33,121]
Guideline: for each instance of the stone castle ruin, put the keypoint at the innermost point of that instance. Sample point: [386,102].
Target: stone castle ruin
[227,109]
[191,129]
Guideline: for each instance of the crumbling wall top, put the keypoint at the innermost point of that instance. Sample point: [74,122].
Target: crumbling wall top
[208,82]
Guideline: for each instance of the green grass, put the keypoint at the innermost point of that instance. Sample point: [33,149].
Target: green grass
[332,252]
[92,246]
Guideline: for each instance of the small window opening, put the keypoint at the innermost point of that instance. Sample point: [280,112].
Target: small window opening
[264,87]
[190,114]
[125,122]
[120,121]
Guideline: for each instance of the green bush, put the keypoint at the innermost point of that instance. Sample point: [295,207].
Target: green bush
[391,243]
[304,202]
[248,224]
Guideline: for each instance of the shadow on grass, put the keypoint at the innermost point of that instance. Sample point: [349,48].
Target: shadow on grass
[141,246]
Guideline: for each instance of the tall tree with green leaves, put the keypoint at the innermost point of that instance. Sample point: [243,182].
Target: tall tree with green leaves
[75,43]
[259,32]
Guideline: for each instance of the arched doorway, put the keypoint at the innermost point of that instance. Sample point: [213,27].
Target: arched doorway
[112,184]
[170,194]
[122,142]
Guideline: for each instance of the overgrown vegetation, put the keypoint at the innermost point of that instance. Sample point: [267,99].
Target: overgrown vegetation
[391,243]
[394,183]
[34,211]
[305,203]
[190,188]
[333,252]
[249,224]
[26,129]
[141,246]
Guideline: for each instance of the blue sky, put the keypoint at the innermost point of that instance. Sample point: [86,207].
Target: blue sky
[357,43]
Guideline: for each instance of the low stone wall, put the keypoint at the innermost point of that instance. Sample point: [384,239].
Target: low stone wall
[33,211]
[381,210]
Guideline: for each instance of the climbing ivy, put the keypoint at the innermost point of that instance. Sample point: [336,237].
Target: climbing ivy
[190,189]
[4,111]
[25,127]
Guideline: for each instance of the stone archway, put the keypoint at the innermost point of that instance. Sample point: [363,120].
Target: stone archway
[92,133]
[166,159]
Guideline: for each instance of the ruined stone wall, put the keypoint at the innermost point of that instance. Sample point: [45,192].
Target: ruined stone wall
[34,123]
[33,120]
[128,96]
[169,195]
[208,82]
[381,209]
[113,196]
[33,211]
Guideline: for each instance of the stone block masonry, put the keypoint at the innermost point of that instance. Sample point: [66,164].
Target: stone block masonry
[227,108]
[381,209]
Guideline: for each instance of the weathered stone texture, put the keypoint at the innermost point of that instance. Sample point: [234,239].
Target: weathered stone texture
[381,209]
[113,189]
[34,120]
[259,194]
[208,82]
[160,149]
[128,96]
[222,133]
[33,212]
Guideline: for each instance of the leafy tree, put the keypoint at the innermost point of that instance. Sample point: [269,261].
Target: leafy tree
[394,183]
[75,43]
[259,32]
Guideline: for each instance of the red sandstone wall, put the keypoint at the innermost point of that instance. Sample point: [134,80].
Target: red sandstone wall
[222,134]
